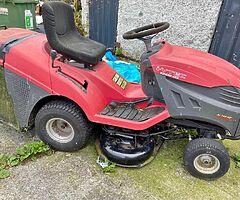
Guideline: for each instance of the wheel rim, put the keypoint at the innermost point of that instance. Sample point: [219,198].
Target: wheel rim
[60,130]
[207,163]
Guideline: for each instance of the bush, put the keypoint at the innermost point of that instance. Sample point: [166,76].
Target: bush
[77,15]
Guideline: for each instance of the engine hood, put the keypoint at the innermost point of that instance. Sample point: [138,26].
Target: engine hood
[13,33]
[194,66]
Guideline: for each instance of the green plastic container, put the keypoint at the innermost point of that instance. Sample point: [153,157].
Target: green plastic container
[18,13]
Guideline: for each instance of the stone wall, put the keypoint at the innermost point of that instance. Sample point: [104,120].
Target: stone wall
[192,21]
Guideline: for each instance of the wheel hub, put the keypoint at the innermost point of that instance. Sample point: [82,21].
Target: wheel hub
[207,163]
[60,130]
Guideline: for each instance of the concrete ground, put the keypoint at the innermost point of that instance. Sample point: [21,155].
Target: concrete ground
[76,176]
[62,175]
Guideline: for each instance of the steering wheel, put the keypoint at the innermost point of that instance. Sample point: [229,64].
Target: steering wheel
[146,30]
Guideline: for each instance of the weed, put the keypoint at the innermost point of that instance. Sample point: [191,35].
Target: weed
[77,15]
[106,165]
[236,159]
[123,55]
[23,153]
[119,51]
[111,168]
[4,173]
[78,22]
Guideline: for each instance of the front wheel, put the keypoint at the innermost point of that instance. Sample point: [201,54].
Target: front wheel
[63,126]
[206,158]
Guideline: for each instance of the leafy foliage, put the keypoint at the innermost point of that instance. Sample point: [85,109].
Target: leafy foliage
[106,165]
[119,51]
[23,153]
[77,15]
[237,159]
[111,168]
[4,173]
[78,22]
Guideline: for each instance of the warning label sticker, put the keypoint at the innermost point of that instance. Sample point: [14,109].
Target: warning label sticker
[3,11]
[119,81]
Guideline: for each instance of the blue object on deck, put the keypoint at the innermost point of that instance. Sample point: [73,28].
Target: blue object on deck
[128,71]
[109,56]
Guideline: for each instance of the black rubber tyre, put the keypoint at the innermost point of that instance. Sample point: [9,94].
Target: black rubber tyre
[206,158]
[62,126]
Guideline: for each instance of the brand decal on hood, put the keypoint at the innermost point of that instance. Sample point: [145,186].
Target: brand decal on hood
[170,73]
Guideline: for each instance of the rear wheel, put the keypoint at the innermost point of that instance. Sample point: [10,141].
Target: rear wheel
[206,158]
[63,126]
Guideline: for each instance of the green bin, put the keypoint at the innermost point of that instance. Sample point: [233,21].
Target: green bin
[18,13]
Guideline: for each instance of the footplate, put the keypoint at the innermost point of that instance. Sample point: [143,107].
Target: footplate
[130,112]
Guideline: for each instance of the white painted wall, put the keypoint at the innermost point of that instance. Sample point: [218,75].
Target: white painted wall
[85,14]
[192,21]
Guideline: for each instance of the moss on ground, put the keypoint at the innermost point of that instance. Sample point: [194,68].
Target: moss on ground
[6,105]
[166,178]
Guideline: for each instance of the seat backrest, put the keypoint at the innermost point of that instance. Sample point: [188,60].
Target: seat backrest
[58,20]
[62,35]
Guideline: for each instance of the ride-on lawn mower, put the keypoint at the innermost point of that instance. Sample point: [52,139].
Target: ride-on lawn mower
[60,85]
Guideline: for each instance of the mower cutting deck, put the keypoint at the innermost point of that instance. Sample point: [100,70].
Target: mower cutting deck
[60,85]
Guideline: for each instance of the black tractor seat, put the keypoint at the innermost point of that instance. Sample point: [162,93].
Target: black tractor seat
[62,35]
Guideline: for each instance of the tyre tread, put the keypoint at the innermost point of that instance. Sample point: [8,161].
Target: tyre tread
[72,109]
[202,144]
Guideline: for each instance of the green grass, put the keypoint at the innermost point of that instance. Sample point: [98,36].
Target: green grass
[166,178]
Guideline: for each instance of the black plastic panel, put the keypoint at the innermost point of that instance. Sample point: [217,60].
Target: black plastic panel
[218,106]
[125,111]
[24,94]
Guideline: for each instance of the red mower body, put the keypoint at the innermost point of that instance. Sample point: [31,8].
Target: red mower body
[59,83]
[28,56]
[195,67]
[30,60]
